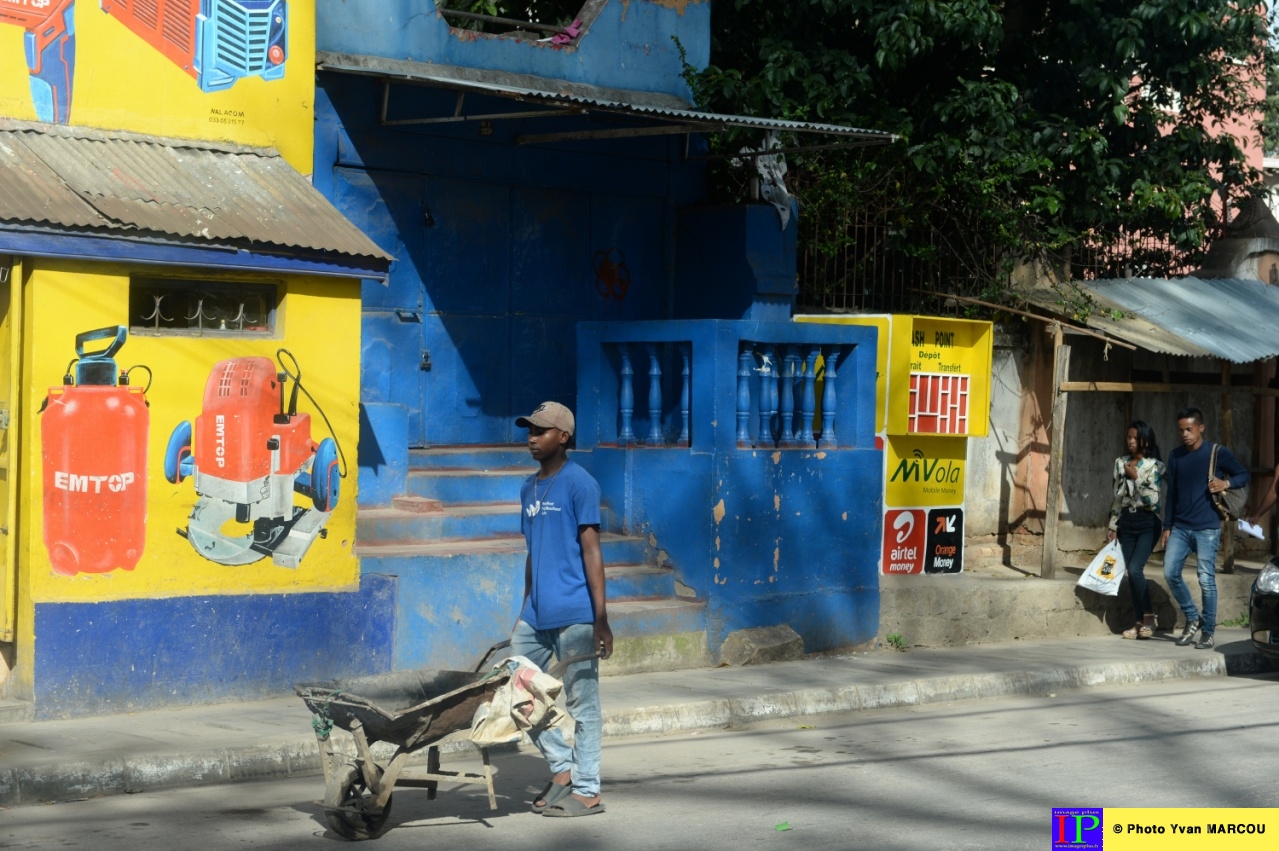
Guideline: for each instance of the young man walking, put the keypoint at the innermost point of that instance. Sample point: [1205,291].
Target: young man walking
[563,613]
[1191,523]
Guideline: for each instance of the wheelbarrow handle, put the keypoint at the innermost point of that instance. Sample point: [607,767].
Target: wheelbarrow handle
[484,660]
[560,668]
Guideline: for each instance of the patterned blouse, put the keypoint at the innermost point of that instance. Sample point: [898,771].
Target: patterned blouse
[1142,492]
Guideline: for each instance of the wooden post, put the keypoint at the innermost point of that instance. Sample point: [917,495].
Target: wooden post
[1227,437]
[1057,445]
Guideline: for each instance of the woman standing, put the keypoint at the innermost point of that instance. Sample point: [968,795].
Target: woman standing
[1134,517]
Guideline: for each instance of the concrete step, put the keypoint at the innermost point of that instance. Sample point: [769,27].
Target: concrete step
[616,549]
[638,581]
[493,457]
[453,522]
[417,504]
[16,710]
[501,484]
[656,617]
[972,608]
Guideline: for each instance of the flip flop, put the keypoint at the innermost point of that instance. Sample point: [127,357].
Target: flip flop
[553,793]
[571,807]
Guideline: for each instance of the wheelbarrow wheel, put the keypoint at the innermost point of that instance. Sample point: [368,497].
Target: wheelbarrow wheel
[354,821]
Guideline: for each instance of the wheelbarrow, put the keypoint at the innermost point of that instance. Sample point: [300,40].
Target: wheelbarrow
[411,710]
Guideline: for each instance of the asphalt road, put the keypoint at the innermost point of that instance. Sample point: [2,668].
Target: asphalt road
[967,775]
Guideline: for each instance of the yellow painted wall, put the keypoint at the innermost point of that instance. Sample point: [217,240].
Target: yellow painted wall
[318,320]
[122,83]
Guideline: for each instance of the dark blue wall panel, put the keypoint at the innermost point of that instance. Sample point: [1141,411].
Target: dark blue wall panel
[120,656]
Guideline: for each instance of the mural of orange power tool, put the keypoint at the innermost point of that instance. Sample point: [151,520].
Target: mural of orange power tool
[252,453]
[49,43]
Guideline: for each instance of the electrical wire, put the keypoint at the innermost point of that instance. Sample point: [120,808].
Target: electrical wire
[297,380]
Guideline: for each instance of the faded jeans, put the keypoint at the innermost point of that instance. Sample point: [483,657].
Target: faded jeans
[1204,543]
[582,694]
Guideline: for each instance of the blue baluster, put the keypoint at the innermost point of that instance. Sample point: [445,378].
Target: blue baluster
[684,394]
[654,398]
[745,361]
[626,397]
[786,410]
[767,405]
[828,401]
[808,402]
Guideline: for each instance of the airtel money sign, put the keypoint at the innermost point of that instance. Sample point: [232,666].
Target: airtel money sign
[904,532]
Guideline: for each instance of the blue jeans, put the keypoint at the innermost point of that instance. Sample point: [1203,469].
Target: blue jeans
[1204,542]
[582,694]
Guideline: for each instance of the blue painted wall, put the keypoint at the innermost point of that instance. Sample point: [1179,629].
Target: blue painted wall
[127,655]
[626,44]
[764,536]
[501,249]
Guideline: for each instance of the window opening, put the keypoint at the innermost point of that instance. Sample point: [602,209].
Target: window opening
[198,307]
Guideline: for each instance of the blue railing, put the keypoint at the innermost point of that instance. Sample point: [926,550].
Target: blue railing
[652,356]
[698,383]
[785,380]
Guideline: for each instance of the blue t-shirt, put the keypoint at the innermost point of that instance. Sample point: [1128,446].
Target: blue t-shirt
[553,509]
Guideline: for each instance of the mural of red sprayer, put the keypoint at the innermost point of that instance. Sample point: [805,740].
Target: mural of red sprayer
[93,432]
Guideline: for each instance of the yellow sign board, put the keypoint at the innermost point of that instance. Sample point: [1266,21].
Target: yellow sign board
[933,373]
[924,471]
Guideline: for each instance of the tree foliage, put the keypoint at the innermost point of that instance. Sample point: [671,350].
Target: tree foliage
[1027,126]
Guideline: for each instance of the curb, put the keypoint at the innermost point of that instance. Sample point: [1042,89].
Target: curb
[65,781]
[807,702]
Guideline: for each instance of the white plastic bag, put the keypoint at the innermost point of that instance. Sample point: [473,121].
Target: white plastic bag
[1106,570]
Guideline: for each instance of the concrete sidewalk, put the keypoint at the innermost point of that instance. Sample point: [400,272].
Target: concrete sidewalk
[63,760]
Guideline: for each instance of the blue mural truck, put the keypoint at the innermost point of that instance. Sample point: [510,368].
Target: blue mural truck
[49,44]
[215,41]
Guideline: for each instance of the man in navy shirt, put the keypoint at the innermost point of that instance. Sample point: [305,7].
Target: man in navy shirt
[563,612]
[1191,522]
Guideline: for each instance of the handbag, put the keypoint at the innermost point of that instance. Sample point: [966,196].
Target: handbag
[1105,571]
[1231,504]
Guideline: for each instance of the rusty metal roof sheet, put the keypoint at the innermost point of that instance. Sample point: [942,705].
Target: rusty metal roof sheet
[1229,318]
[564,93]
[129,184]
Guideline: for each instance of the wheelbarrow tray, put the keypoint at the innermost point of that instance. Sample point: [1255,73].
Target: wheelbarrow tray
[409,709]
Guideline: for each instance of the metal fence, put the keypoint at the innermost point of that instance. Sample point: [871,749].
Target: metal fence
[856,261]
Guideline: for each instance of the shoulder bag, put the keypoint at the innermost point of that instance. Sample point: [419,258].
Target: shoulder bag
[1232,503]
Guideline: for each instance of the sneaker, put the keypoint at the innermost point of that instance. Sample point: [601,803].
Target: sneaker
[1188,634]
[1205,642]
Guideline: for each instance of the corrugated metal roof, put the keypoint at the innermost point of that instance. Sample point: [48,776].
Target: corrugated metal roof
[526,87]
[212,193]
[1229,318]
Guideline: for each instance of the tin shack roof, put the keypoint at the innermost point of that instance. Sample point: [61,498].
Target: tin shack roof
[112,183]
[676,115]
[1229,318]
